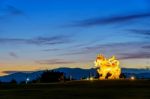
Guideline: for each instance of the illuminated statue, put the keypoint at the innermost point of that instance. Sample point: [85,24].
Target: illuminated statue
[107,68]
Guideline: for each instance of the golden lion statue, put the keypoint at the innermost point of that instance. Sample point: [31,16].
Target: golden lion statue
[107,66]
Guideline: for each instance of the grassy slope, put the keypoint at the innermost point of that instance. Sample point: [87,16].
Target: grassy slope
[115,89]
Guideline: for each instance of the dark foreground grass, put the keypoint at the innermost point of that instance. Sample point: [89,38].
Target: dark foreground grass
[106,89]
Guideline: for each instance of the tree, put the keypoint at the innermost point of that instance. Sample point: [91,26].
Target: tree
[122,75]
[51,76]
[13,81]
[0,82]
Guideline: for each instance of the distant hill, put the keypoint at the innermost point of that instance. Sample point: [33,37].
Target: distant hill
[76,73]
[21,76]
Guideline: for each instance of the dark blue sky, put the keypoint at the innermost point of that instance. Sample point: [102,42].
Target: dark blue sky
[39,34]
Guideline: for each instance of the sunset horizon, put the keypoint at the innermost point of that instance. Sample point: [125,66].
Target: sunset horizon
[39,35]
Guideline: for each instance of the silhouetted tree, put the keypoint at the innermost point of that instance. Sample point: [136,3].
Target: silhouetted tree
[84,77]
[51,76]
[13,81]
[122,75]
[97,75]
[22,82]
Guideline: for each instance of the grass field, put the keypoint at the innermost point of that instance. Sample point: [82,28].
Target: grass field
[105,89]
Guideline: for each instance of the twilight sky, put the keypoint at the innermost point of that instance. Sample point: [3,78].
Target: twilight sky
[46,34]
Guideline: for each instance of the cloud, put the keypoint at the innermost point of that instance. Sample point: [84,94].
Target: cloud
[146,47]
[14,11]
[85,49]
[10,10]
[126,50]
[135,55]
[52,49]
[82,51]
[110,20]
[54,62]
[59,39]
[12,54]
[144,32]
